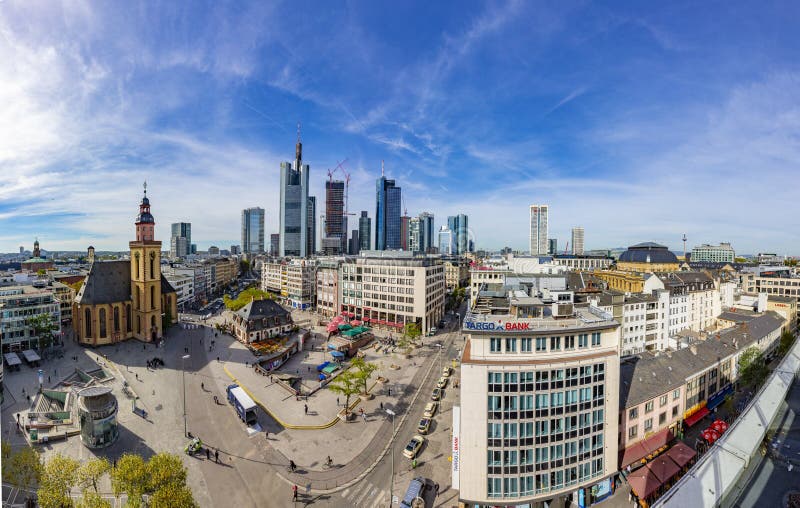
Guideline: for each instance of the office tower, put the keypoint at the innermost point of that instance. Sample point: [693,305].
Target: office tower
[355,245]
[21,249]
[414,239]
[253,230]
[311,235]
[577,241]
[445,241]
[427,233]
[404,231]
[459,226]
[552,246]
[293,220]
[194,248]
[235,249]
[213,250]
[364,231]
[274,244]
[387,214]
[334,215]
[538,233]
[180,241]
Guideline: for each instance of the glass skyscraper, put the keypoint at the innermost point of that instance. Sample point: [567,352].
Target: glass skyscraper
[180,244]
[459,230]
[364,231]
[387,214]
[253,230]
[294,205]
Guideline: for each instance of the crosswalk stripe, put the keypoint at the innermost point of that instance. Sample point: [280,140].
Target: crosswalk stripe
[345,491]
[380,499]
[361,497]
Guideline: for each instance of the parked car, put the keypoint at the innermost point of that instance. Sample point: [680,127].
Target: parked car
[442,382]
[436,394]
[424,425]
[430,409]
[446,372]
[413,446]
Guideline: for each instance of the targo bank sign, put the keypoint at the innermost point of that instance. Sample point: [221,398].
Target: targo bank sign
[497,327]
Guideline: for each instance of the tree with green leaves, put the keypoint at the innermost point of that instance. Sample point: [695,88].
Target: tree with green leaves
[345,384]
[43,326]
[24,467]
[59,475]
[363,371]
[92,499]
[91,471]
[165,469]
[787,340]
[752,369]
[130,477]
[172,496]
[244,266]
[412,331]
[245,297]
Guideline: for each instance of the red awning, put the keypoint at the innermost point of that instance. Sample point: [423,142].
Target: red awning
[696,417]
[681,454]
[645,447]
[643,482]
[664,468]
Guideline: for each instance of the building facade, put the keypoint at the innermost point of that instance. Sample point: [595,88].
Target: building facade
[539,395]
[274,244]
[180,240]
[538,230]
[722,253]
[334,217]
[253,230]
[327,285]
[293,215]
[17,305]
[394,289]
[311,235]
[459,227]
[445,241]
[577,241]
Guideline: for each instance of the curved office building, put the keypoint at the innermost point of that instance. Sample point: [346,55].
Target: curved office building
[97,410]
[539,402]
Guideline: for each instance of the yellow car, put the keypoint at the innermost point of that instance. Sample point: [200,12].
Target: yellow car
[413,446]
[442,382]
[430,409]
[446,372]
[424,425]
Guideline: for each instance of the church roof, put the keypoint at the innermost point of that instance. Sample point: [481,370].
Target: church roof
[110,282]
[107,282]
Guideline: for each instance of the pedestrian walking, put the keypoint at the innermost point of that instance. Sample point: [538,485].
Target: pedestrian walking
[294,492]
[203,386]
[365,417]
[208,454]
[337,398]
[381,406]
[306,408]
[48,379]
[216,456]
[266,435]
[436,488]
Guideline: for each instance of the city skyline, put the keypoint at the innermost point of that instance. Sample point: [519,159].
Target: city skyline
[681,110]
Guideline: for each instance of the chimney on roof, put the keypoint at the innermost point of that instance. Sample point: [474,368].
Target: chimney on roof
[693,349]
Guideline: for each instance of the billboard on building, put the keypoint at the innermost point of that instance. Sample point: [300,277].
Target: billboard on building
[456,449]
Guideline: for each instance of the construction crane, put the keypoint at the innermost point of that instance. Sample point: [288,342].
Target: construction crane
[566,249]
[340,167]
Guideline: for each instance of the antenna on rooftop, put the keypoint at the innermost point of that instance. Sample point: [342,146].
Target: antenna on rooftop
[298,132]
[382,174]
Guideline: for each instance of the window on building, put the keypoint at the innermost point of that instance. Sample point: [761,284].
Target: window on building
[569,342]
[116,319]
[674,411]
[662,418]
[633,413]
[583,340]
[648,425]
[495,345]
[541,344]
[676,394]
[494,487]
[662,401]
[87,318]
[555,343]
[648,407]
[128,326]
[511,345]
[633,431]
[595,338]
[526,345]
[101,317]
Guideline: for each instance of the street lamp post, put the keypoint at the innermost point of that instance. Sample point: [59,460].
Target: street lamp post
[183,381]
[391,452]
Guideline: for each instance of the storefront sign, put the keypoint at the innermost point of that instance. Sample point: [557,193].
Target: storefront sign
[456,450]
[499,326]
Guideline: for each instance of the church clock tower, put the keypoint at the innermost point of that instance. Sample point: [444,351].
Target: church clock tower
[146,276]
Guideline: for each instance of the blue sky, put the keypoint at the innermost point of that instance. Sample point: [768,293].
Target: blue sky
[638,121]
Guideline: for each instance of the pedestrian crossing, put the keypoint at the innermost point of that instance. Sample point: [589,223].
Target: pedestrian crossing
[366,495]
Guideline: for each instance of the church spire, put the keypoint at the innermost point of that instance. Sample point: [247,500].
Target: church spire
[145,223]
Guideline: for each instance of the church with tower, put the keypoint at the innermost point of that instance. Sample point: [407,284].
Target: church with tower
[127,299]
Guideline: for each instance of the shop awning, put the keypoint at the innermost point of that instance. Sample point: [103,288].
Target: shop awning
[643,482]
[12,359]
[31,356]
[646,447]
[681,454]
[664,468]
[719,397]
[696,417]
[336,354]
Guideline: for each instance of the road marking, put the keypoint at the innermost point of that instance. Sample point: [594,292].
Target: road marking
[361,497]
[345,491]
[380,500]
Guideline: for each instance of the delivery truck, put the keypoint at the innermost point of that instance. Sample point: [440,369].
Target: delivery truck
[244,405]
